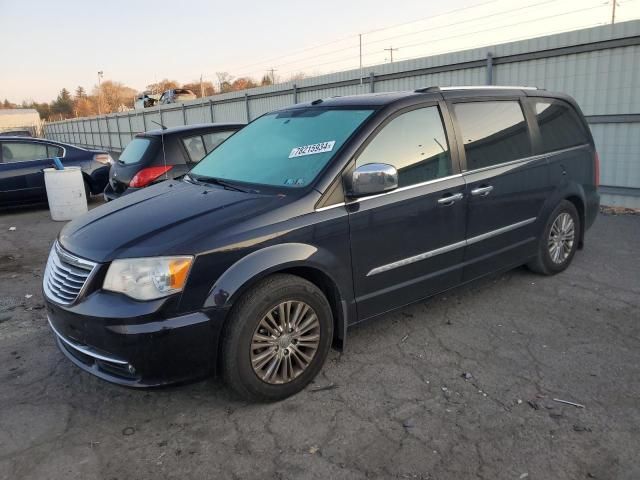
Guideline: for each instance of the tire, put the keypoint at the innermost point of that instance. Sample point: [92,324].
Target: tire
[258,312]
[87,190]
[555,250]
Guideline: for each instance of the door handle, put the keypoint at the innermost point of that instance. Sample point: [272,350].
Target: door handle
[483,191]
[450,199]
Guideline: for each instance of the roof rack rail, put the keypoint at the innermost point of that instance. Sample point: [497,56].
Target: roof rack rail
[427,89]
[475,87]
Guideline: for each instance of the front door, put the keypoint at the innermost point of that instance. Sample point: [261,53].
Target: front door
[21,176]
[506,185]
[409,243]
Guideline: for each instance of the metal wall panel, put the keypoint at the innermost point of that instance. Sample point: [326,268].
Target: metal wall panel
[618,145]
[231,111]
[262,105]
[197,114]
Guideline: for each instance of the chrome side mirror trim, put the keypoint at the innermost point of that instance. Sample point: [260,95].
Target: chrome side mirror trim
[371,179]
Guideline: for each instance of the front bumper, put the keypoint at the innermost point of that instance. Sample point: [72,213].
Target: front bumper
[143,350]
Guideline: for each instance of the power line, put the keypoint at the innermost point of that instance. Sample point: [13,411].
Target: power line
[511,39]
[439,27]
[455,24]
[350,37]
[343,59]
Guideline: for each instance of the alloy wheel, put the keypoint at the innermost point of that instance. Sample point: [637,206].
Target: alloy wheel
[561,238]
[285,342]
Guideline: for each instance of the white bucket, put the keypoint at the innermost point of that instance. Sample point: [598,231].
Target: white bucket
[65,192]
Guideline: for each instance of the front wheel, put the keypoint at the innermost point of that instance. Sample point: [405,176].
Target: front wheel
[559,240]
[277,338]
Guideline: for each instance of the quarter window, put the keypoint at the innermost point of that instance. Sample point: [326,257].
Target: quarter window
[492,132]
[212,140]
[195,148]
[54,151]
[414,143]
[23,151]
[560,126]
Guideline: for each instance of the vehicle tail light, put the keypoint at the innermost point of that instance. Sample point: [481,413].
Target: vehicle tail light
[596,170]
[147,175]
[103,158]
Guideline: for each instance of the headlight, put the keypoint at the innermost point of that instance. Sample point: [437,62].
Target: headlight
[148,278]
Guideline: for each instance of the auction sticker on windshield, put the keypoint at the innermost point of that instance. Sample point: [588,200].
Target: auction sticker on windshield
[312,149]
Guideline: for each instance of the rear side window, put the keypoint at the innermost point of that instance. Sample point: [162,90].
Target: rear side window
[414,143]
[212,140]
[560,126]
[135,150]
[23,151]
[492,132]
[195,148]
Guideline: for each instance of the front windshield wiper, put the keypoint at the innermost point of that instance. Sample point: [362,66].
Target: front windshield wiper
[201,179]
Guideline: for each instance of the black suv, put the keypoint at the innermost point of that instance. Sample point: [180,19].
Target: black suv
[314,218]
[159,155]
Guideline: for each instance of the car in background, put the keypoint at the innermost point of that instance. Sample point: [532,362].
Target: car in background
[158,155]
[175,95]
[145,100]
[22,160]
[16,133]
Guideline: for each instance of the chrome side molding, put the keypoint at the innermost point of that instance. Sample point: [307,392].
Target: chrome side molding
[449,248]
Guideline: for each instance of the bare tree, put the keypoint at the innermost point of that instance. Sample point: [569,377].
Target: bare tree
[224,81]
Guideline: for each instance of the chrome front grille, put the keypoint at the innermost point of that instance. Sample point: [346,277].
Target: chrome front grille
[65,275]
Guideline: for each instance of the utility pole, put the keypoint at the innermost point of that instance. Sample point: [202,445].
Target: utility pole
[391,50]
[273,76]
[613,11]
[360,41]
[100,75]
[201,87]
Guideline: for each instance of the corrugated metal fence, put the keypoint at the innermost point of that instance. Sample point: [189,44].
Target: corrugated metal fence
[598,66]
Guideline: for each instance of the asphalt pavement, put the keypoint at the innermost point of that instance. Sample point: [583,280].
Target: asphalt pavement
[459,386]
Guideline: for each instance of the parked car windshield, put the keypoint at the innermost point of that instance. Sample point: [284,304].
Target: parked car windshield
[283,148]
[135,150]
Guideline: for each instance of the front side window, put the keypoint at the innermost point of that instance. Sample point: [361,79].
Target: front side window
[287,149]
[23,151]
[414,143]
[492,132]
[560,126]
[194,147]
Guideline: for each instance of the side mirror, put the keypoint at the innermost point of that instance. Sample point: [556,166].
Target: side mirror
[371,179]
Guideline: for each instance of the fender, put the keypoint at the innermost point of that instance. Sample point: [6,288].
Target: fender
[564,190]
[260,263]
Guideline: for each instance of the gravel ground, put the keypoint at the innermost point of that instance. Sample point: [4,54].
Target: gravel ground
[459,386]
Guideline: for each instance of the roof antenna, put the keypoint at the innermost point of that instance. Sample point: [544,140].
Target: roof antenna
[159,124]
[164,155]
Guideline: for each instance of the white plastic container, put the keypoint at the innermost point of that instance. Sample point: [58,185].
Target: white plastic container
[65,192]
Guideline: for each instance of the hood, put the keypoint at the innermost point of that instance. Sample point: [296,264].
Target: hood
[164,219]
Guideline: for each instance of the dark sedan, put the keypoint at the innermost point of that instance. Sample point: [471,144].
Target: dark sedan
[158,155]
[22,160]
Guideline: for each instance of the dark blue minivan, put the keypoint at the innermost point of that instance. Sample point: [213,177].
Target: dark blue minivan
[312,219]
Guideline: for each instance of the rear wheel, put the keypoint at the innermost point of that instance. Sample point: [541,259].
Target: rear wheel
[559,241]
[277,338]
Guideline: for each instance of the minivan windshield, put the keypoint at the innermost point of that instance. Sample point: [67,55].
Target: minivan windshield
[286,149]
[135,150]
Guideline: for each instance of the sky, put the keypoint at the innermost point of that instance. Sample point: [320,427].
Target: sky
[50,44]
